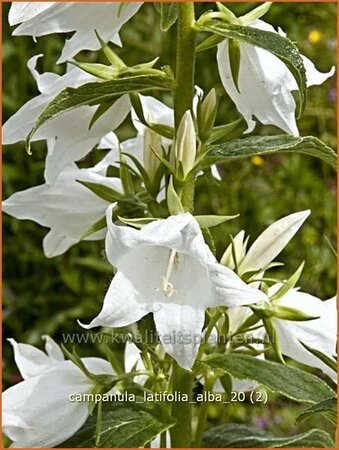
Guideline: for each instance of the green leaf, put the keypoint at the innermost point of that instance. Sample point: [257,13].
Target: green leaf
[280,46]
[96,93]
[267,145]
[328,407]
[124,425]
[169,12]
[102,191]
[213,221]
[290,382]
[247,436]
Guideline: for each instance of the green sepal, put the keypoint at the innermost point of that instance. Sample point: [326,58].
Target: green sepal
[98,226]
[330,362]
[137,222]
[289,284]
[104,192]
[209,42]
[173,200]
[213,221]
[98,70]
[234,55]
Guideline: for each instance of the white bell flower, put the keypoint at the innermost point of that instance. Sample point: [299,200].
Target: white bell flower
[167,269]
[67,207]
[265,84]
[320,333]
[69,135]
[38,412]
[39,19]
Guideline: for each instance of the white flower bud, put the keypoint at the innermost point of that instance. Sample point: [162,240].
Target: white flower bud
[207,110]
[152,143]
[185,146]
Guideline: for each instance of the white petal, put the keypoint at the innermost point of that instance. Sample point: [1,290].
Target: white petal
[154,111]
[42,404]
[133,360]
[53,350]
[67,207]
[230,290]
[45,80]
[180,331]
[272,241]
[83,18]
[177,232]
[55,243]
[23,11]
[30,360]
[263,90]
[75,139]
[20,124]
[98,366]
[121,306]
[313,76]
[320,334]
[239,250]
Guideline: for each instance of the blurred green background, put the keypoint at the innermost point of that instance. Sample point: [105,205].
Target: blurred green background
[42,296]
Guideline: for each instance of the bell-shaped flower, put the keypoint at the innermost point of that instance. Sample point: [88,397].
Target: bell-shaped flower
[167,269]
[70,136]
[39,19]
[264,84]
[266,247]
[38,411]
[67,207]
[319,333]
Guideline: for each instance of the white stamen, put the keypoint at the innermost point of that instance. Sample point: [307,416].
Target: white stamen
[167,287]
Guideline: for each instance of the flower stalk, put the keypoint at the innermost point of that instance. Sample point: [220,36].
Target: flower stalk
[182,380]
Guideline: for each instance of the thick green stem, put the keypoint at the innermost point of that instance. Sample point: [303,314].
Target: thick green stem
[186,40]
[203,414]
[182,383]
[182,380]
[184,90]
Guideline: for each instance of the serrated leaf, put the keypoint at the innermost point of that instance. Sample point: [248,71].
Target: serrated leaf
[96,93]
[169,12]
[213,221]
[247,436]
[290,382]
[104,192]
[328,407]
[124,425]
[267,145]
[280,46]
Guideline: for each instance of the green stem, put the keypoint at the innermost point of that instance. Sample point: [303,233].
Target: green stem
[182,380]
[182,383]
[184,90]
[185,63]
[209,382]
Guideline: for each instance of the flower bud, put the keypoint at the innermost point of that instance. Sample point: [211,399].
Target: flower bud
[185,144]
[152,144]
[207,110]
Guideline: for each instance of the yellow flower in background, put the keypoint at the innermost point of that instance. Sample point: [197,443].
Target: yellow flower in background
[257,160]
[315,36]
